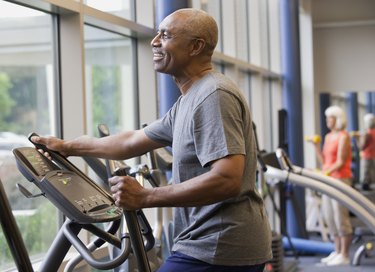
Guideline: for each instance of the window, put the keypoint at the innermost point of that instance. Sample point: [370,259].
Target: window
[120,8]
[111,96]
[242,29]
[27,104]
[214,8]
[110,81]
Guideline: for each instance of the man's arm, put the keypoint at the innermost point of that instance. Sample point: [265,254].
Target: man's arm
[123,145]
[223,181]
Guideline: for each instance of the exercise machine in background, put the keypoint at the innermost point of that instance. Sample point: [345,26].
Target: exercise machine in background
[155,172]
[358,204]
[277,263]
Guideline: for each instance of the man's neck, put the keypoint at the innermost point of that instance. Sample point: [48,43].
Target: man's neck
[184,83]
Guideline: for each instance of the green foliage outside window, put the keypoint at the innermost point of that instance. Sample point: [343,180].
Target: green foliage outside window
[37,230]
[24,108]
[26,103]
[106,96]
[6,101]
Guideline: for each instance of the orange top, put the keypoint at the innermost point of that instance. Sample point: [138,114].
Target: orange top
[330,150]
[368,152]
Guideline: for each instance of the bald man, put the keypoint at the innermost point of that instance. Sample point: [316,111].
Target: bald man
[220,223]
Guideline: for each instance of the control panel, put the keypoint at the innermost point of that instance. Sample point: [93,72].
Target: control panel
[72,192]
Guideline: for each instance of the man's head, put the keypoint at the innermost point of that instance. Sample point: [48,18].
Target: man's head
[197,23]
[183,36]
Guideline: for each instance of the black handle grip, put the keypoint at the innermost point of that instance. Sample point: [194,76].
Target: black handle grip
[54,154]
[38,146]
[103,130]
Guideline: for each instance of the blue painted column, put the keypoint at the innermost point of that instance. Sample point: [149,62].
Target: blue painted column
[167,88]
[292,100]
[372,102]
[352,113]
[353,125]
[368,102]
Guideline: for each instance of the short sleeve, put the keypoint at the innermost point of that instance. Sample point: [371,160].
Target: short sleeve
[218,127]
[161,130]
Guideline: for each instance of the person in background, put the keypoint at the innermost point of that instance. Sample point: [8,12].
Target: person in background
[220,222]
[335,159]
[366,143]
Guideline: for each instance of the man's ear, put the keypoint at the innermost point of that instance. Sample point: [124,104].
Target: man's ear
[198,46]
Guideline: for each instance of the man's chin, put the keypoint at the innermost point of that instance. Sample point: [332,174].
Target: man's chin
[159,69]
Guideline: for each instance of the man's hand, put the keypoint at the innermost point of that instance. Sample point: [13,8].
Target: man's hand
[51,143]
[128,193]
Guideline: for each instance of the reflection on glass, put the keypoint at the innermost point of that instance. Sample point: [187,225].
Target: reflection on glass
[27,103]
[342,100]
[356,105]
[121,8]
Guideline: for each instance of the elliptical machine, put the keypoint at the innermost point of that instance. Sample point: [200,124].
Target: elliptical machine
[84,203]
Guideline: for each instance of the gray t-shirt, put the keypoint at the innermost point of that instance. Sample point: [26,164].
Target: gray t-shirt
[210,122]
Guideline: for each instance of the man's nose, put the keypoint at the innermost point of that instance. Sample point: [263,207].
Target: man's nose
[156,40]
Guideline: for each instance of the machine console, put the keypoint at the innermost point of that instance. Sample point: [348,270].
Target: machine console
[70,190]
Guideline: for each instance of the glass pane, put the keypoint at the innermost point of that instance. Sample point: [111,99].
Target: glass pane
[244,83]
[274,40]
[121,8]
[27,104]
[241,23]
[111,98]
[110,94]
[264,33]
[213,7]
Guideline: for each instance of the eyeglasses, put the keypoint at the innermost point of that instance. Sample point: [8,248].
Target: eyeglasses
[163,35]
